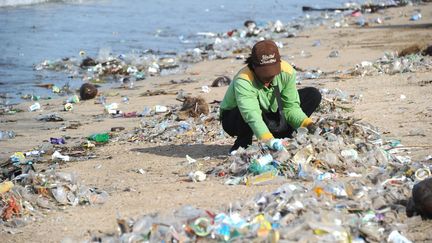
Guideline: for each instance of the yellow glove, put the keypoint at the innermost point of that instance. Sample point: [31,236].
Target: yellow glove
[310,125]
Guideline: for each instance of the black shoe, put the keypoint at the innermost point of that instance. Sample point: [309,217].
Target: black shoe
[243,142]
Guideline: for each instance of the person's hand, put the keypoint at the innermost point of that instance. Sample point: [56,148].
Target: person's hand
[312,128]
[275,144]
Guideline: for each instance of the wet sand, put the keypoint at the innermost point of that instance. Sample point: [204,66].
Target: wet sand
[162,188]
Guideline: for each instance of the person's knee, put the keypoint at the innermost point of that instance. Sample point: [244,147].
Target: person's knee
[314,94]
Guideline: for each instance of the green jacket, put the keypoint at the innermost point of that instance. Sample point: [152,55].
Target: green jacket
[248,94]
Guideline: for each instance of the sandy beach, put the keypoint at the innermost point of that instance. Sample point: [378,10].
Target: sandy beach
[398,104]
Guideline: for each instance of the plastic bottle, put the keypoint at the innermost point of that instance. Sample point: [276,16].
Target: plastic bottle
[416,17]
[396,237]
[99,137]
[310,75]
[139,75]
[7,135]
[73,99]
[361,21]
[59,194]
[146,112]
[112,106]
[301,135]
[34,153]
[102,100]
[183,127]
[160,109]
[132,82]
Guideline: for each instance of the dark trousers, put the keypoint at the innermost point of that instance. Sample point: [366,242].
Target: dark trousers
[234,125]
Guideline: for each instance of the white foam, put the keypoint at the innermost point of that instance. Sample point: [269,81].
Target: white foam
[9,3]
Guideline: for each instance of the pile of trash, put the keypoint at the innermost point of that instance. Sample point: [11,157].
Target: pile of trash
[392,63]
[354,188]
[7,109]
[98,70]
[194,122]
[128,68]
[30,193]
[293,212]
[31,183]
[340,145]
[7,135]
[342,183]
[353,208]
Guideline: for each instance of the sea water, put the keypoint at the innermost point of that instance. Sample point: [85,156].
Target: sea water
[32,31]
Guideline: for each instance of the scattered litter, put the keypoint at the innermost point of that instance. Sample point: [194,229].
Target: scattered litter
[160,109]
[348,171]
[396,237]
[36,106]
[141,171]
[53,117]
[416,17]
[197,176]
[190,160]
[73,99]
[353,181]
[58,141]
[392,63]
[68,107]
[205,89]
[334,53]
[221,81]
[99,137]
[7,135]
[56,155]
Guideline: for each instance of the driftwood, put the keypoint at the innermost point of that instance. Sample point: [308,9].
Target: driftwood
[193,107]
[308,8]
[158,92]
[416,48]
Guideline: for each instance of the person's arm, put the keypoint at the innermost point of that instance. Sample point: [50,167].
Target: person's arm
[248,104]
[294,115]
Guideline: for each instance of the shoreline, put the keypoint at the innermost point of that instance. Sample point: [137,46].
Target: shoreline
[381,104]
[208,46]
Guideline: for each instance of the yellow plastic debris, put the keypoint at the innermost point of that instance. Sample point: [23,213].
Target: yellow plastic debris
[6,186]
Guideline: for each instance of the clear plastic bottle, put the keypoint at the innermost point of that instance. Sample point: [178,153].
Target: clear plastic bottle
[132,81]
[7,135]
